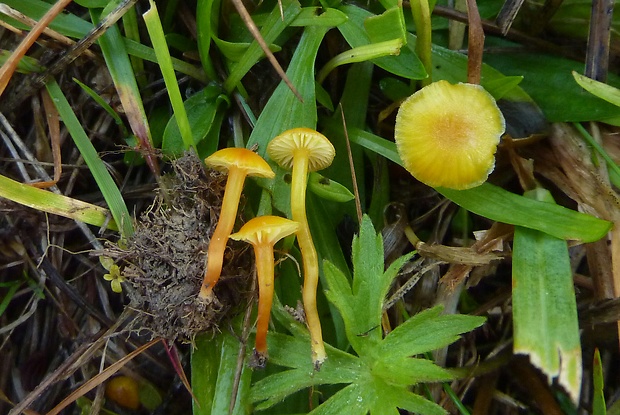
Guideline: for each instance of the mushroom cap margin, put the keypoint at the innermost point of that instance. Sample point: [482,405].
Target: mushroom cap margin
[241,158]
[265,230]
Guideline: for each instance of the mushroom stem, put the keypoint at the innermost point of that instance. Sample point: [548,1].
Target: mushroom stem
[264,270]
[309,258]
[217,244]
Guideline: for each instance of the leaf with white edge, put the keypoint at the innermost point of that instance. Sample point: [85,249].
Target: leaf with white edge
[544,306]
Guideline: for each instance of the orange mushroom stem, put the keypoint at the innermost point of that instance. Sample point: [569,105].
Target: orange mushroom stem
[263,232]
[239,162]
[304,150]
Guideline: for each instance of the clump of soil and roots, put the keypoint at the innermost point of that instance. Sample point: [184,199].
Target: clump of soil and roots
[163,262]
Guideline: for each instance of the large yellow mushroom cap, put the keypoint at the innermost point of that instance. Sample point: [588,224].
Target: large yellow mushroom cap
[302,141]
[447,135]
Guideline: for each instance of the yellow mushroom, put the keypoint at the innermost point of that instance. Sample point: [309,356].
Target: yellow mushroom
[447,135]
[239,162]
[304,150]
[263,232]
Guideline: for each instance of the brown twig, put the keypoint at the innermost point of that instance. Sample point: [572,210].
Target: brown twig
[247,19]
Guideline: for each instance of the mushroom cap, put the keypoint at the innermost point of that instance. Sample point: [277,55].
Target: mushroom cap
[265,230]
[241,158]
[298,141]
[447,135]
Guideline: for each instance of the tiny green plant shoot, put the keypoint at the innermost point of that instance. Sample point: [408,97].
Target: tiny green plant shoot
[380,376]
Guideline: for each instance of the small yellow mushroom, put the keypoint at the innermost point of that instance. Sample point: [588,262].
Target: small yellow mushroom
[263,232]
[239,162]
[447,135]
[304,150]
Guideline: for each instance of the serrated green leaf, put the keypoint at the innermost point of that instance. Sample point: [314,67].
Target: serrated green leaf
[427,331]
[410,371]
[544,306]
[349,400]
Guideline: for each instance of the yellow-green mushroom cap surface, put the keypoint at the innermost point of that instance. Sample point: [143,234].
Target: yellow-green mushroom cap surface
[447,135]
[317,148]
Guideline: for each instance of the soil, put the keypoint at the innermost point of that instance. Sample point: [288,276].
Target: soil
[164,261]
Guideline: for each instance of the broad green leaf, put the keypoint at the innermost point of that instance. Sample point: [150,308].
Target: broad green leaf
[201,109]
[108,188]
[497,204]
[544,307]
[318,16]
[328,189]
[205,360]
[229,354]
[548,80]
[386,26]
[406,64]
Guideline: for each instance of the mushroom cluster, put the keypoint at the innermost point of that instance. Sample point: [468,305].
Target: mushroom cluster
[303,150]
[447,134]
[239,162]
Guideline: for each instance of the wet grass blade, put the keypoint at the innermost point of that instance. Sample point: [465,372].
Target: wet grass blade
[109,190]
[121,71]
[56,204]
[156,32]
[544,306]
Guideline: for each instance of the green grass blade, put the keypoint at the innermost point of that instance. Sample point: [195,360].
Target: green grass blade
[497,204]
[156,32]
[120,68]
[109,190]
[598,400]
[544,306]
[56,204]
